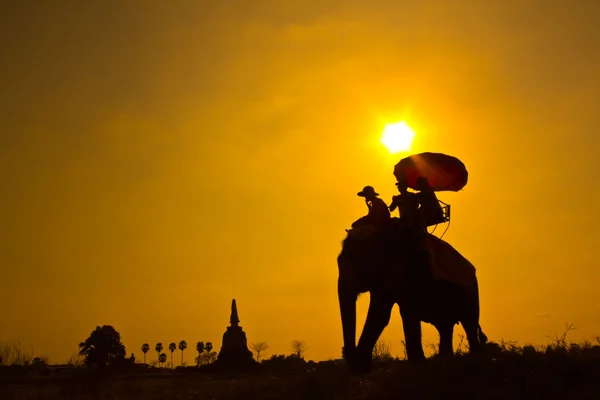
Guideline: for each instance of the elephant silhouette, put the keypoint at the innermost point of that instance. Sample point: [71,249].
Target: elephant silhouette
[394,266]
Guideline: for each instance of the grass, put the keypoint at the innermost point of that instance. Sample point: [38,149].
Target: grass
[507,370]
[13,353]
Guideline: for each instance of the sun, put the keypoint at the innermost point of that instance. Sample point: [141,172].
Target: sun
[397,137]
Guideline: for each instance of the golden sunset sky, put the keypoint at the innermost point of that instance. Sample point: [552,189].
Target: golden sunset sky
[158,159]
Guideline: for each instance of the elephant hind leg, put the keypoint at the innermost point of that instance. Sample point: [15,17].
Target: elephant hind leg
[475,336]
[446,330]
[412,337]
[483,339]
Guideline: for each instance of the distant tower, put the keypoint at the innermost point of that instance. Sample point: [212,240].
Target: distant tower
[234,320]
[234,354]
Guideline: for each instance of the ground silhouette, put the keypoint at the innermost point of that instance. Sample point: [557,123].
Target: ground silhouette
[503,371]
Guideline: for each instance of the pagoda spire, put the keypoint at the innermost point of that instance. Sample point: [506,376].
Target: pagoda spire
[234,319]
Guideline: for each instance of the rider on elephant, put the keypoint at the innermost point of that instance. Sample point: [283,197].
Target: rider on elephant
[407,204]
[430,212]
[378,215]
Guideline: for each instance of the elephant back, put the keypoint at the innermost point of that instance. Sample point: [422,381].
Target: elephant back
[448,264]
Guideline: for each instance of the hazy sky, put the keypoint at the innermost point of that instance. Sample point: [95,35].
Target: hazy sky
[158,159]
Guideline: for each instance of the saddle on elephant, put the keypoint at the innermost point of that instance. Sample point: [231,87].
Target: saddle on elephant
[445,261]
[448,264]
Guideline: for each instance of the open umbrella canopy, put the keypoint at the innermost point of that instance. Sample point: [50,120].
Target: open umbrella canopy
[444,172]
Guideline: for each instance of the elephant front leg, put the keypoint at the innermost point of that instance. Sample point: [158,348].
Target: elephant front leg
[412,336]
[378,317]
[347,298]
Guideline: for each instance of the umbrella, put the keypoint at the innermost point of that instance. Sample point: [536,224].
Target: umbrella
[444,172]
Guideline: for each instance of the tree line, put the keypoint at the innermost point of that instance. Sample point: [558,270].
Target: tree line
[104,347]
[206,355]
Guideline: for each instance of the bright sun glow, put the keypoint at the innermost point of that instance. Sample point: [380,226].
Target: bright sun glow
[397,137]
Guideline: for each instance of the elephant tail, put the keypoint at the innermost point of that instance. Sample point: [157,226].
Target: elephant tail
[482,336]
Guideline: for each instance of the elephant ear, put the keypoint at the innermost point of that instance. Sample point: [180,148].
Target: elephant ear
[386,257]
[396,265]
[399,255]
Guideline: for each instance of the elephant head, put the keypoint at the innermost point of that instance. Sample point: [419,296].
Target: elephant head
[364,265]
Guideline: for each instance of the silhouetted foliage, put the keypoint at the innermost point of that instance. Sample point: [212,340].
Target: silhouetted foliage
[145,349]
[75,360]
[182,347]
[280,362]
[158,348]
[162,358]
[14,354]
[206,358]
[200,350]
[172,348]
[37,361]
[205,354]
[382,351]
[299,348]
[561,369]
[515,372]
[259,347]
[103,347]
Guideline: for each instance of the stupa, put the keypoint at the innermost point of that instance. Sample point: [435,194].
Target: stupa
[234,352]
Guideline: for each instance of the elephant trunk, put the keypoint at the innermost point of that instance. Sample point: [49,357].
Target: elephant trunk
[347,298]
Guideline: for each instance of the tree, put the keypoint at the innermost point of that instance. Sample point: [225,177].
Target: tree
[145,349]
[259,347]
[211,357]
[200,347]
[172,348]
[158,348]
[208,357]
[200,350]
[299,348]
[182,347]
[162,358]
[205,353]
[103,347]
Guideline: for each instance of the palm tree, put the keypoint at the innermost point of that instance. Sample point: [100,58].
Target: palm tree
[158,348]
[172,348]
[182,347]
[162,358]
[145,349]
[200,350]
[208,357]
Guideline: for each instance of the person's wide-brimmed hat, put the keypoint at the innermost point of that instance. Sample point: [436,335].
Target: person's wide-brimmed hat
[367,191]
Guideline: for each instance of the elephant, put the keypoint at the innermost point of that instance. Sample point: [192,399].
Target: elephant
[364,265]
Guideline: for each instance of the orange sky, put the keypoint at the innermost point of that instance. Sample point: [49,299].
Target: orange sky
[158,160]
